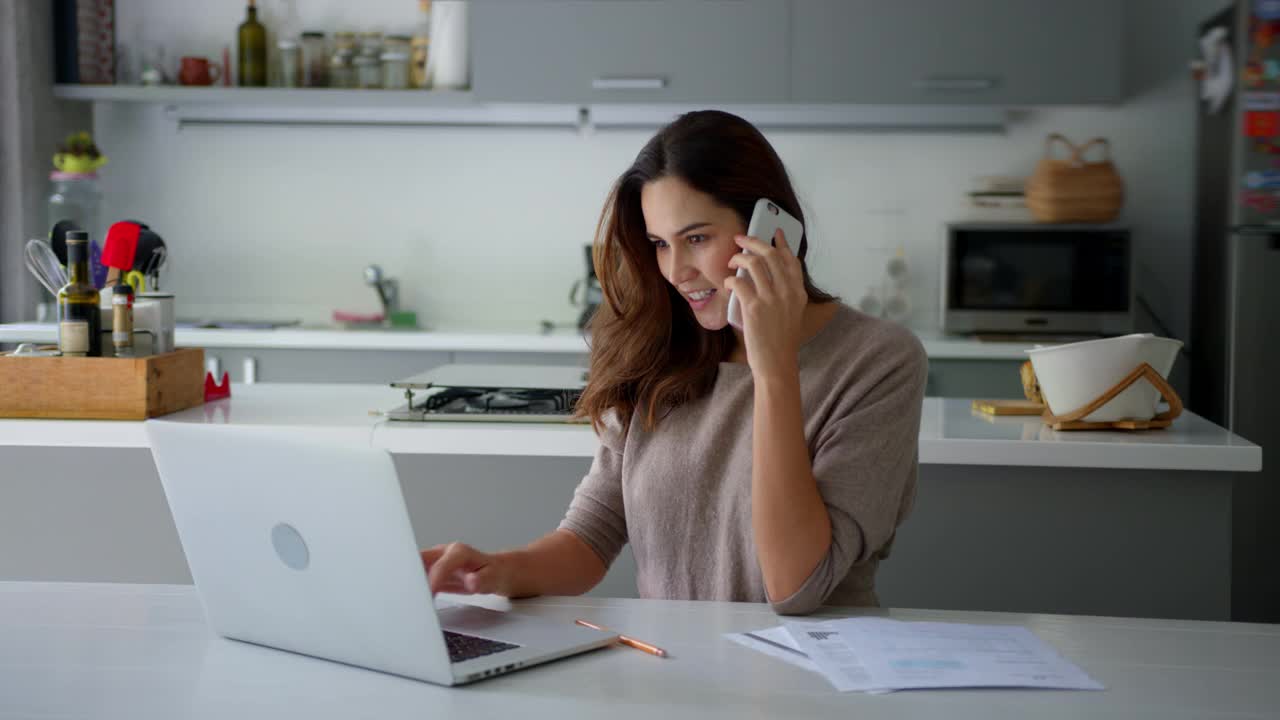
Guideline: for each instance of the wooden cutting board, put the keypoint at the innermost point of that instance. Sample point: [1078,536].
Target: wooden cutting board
[1008,407]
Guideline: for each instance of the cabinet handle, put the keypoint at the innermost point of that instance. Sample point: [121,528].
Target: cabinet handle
[956,84]
[250,369]
[628,83]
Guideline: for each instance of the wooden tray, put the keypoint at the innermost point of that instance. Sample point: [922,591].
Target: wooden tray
[85,388]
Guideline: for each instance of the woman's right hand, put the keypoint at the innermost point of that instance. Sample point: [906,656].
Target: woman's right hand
[460,568]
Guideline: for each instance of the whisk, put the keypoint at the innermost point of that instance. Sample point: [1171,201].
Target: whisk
[43,263]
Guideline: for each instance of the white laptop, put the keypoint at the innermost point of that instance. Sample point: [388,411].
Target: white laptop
[306,546]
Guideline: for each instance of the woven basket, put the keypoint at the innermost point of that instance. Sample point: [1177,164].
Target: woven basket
[1074,190]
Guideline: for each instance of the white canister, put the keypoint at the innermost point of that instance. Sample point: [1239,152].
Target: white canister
[154,312]
[447,61]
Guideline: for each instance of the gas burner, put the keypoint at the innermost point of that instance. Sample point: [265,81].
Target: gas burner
[499,400]
[478,402]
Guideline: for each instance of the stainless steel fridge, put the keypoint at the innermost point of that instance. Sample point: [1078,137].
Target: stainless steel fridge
[1235,323]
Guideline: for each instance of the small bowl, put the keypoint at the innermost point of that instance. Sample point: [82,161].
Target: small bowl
[1073,375]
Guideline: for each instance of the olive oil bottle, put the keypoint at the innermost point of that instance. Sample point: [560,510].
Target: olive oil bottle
[79,320]
[252,66]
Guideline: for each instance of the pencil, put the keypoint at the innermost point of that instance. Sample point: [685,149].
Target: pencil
[628,641]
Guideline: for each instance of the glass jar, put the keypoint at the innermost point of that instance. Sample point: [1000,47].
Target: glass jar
[342,73]
[289,68]
[368,72]
[75,197]
[314,60]
[395,70]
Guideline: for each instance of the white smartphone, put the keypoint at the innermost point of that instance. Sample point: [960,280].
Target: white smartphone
[766,220]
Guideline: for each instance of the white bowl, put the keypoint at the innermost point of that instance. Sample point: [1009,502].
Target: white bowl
[1073,375]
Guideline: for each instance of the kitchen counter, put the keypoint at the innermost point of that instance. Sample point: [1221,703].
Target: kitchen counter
[937,345]
[950,434]
[1008,516]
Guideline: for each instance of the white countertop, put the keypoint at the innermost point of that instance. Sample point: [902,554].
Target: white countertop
[936,344]
[950,433]
[145,651]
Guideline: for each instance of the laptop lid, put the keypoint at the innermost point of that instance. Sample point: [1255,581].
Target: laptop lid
[301,545]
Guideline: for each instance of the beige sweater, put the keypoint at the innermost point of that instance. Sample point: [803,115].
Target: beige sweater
[681,495]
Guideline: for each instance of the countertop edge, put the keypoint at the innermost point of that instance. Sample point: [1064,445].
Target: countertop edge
[936,347]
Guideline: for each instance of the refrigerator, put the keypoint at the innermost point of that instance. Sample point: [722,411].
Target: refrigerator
[1235,321]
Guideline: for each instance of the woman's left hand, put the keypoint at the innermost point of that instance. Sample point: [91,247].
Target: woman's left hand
[772,298]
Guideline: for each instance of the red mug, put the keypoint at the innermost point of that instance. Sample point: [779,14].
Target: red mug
[198,71]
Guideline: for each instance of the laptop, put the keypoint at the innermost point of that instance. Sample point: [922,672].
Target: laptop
[306,546]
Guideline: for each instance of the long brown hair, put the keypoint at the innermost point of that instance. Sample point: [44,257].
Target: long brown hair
[647,349]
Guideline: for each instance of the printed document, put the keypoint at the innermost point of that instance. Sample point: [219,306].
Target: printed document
[875,654]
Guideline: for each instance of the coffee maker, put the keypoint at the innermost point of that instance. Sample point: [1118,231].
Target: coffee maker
[591,293]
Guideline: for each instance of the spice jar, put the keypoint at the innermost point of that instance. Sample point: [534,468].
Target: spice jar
[289,67]
[342,72]
[395,70]
[315,61]
[368,72]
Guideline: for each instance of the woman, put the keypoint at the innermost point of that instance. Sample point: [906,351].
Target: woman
[770,464]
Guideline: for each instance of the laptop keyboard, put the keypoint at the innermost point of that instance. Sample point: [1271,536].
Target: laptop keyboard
[469,647]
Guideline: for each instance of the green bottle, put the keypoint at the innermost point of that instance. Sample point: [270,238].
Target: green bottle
[79,320]
[253,51]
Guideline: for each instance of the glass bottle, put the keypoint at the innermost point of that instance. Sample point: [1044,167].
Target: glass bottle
[79,320]
[252,68]
[419,45]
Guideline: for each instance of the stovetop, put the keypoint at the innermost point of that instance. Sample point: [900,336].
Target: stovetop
[483,404]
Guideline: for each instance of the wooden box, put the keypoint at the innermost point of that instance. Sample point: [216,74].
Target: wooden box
[111,388]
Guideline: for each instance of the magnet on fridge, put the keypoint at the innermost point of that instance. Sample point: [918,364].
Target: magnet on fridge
[1253,74]
[1261,100]
[1262,180]
[1258,123]
[1258,200]
[1266,9]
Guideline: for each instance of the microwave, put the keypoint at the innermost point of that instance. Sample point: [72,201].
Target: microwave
[1037,278]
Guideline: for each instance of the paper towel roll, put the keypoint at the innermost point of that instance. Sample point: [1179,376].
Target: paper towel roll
[447,57]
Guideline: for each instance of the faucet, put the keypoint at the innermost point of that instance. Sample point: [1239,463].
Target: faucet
[387,288]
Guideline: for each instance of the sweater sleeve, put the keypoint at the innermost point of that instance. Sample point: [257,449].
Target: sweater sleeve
[597,514]
[865,461]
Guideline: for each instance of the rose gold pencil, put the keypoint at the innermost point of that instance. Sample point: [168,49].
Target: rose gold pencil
[628,641]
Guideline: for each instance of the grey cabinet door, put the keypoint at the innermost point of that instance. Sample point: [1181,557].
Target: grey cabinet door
[978,379]
[972,52]
[632,51]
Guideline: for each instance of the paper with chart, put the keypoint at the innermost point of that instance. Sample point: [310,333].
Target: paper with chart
[867,654]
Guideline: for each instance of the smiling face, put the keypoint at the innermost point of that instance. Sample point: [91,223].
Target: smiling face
[692,238]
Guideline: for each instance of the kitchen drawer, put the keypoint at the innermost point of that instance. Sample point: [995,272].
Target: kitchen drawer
[974,52]
[629,51]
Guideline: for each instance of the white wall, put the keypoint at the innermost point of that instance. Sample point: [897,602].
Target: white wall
[484,226]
